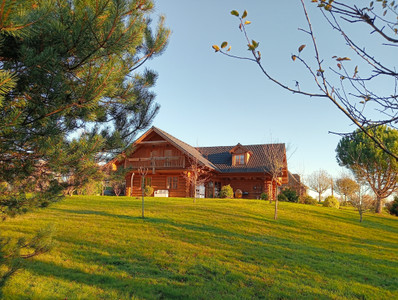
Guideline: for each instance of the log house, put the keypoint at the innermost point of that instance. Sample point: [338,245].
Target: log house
[244,167]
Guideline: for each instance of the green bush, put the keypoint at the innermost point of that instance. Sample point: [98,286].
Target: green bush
[282,197]
[264,196]
[148,191]
[226,192]
[331,201]
[290,195]
[308,200]
[392,207]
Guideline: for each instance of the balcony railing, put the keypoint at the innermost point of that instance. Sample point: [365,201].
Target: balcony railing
[170,162]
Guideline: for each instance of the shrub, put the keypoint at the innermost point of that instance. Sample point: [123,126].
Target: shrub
[392,207]
[226,192]
[282,197]
[264,196]
[290,195]
[148,191]
[308,200]
[331,201]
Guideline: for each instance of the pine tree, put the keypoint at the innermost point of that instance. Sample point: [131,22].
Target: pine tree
[70,66]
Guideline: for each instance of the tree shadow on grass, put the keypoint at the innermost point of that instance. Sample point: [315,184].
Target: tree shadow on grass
[369,221]
[97,213]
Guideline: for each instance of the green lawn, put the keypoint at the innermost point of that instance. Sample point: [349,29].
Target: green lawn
[212,249]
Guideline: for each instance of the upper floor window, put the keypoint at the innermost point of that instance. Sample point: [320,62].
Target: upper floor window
[239,159]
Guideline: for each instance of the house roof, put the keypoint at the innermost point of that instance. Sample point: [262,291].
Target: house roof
[184,147]
[221,157]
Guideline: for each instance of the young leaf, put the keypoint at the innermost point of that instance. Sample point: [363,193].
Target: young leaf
[244,15]
[294,57]
[339,65]
[229,48]
[255,44]
[224,44]
[247,22]
[235,13]
[216,48]
[342,58]
[355,72]
[301,48]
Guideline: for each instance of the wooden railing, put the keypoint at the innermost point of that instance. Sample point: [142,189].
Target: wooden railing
[170,162]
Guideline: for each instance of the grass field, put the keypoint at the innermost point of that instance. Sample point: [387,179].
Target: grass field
[212,249]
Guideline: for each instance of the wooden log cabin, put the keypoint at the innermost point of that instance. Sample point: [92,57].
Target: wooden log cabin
[166,158]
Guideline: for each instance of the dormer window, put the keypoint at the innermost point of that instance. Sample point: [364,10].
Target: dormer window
[240,155]
[239,159]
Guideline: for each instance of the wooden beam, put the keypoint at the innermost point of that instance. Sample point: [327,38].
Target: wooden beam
[154,142]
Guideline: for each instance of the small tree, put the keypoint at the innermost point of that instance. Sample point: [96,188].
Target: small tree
[275,155]
[361,200]
[319,181]
[143,172]
[196,174]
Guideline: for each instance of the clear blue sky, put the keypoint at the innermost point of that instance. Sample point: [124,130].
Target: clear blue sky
[208,99]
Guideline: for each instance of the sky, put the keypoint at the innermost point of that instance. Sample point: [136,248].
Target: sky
[208,99]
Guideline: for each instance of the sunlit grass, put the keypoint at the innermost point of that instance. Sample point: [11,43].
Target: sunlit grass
[211,249]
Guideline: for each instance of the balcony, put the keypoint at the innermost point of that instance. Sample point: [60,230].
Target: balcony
[170,162]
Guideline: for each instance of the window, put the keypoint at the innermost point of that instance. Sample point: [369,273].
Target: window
[172,183]
[148,181]
[239,159]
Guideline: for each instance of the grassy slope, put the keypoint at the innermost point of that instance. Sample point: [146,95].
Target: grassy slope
[212,249]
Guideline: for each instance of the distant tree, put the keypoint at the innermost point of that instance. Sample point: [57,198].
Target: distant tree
[369,163]
[392,207]
[196,174]
[291,195]
[348,82]
[319,181]
[361,200]
[346,186]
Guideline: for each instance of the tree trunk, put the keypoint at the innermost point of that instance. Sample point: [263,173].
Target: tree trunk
[143,192]
[360,215]
[194,192]
[276,209]
[379,205]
